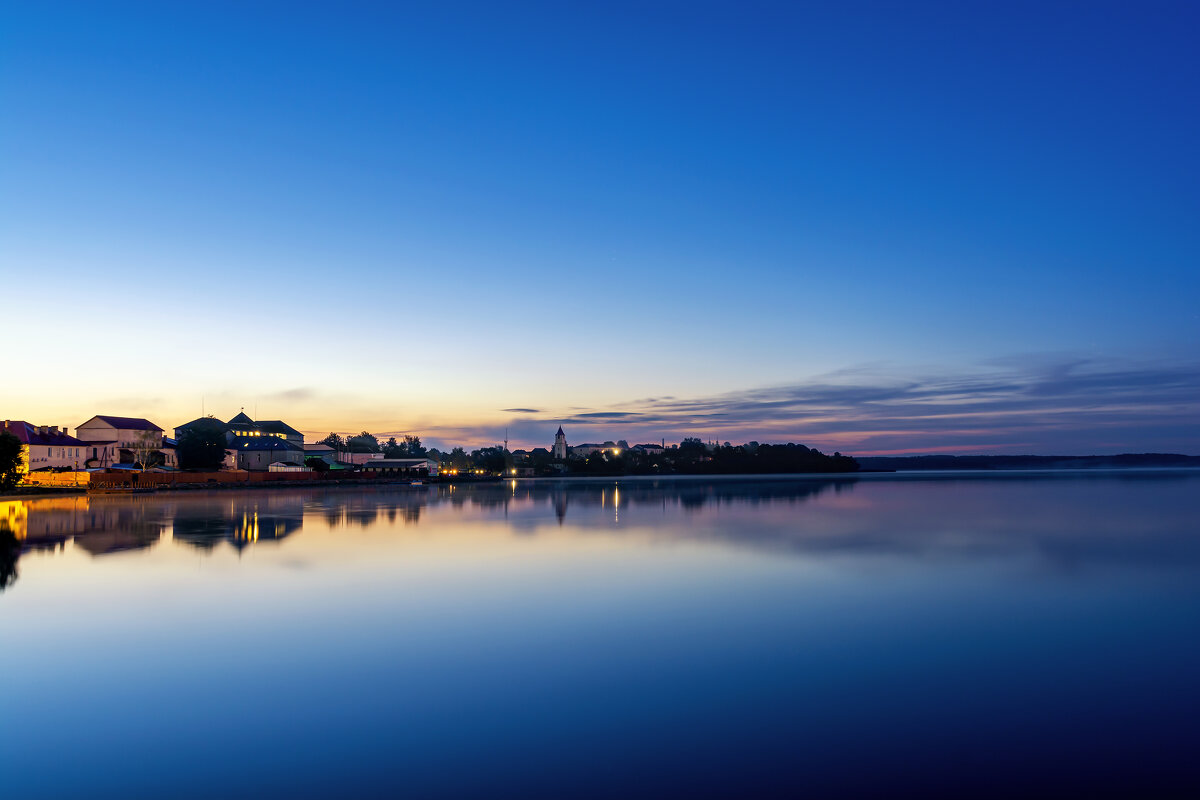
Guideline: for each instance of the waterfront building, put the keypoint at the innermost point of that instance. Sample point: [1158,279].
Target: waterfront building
[327,454]
[358,459]
[45,446]
[242,427]
[170,452]
[111,440]
[560,445]
[399,467]
[257,454]
[585,450]
[319,450]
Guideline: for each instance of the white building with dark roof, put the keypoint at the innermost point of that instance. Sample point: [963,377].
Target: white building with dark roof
[45,446]
[259,453]
[110,440]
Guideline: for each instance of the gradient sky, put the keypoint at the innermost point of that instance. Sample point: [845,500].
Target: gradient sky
[867,227]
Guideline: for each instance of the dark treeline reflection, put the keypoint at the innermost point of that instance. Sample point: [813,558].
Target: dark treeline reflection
[1068,518]
[10,551]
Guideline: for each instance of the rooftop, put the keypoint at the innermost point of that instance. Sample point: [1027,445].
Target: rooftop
[202,421]
[264,443]
[376,463]
[126,423]
[276,426]
[40,435]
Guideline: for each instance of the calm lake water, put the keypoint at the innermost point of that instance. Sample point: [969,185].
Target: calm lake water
[892,635]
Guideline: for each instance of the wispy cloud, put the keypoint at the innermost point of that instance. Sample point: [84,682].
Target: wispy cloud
[1019,404]
[297,394]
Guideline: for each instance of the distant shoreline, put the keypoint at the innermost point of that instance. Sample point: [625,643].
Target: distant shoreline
[1001,463]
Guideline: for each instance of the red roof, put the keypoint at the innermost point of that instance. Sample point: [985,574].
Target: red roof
[30,434]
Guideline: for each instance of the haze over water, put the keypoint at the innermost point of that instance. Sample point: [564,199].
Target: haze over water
[925,634]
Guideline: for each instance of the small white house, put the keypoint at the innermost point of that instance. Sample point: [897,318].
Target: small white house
[401,466]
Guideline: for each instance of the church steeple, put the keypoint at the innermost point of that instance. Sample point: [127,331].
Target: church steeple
[560,445]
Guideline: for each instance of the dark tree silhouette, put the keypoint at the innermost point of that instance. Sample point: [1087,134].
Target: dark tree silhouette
[363,443]
[10,551]
[334,441]
[202,446]
[10,460]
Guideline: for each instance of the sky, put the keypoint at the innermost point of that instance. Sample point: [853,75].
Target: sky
[867,227]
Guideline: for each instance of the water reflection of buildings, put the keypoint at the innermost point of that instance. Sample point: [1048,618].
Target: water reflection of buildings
[103,524]
[688,495]
[98,524]
[959,516]
[206,521]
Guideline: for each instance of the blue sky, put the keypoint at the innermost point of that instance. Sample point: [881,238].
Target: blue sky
[411,219]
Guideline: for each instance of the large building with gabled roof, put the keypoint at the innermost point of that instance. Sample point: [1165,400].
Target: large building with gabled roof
[258,453]
[110,440]
[242,426]
[255,443]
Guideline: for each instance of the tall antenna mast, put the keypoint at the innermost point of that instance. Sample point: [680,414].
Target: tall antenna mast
[506,439]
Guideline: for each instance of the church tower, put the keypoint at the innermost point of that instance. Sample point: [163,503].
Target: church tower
[560,445]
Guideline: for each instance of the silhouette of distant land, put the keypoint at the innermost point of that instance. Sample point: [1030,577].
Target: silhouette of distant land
[1123,461]
[692,457]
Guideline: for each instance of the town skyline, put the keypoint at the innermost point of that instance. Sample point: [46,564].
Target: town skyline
[1012,407]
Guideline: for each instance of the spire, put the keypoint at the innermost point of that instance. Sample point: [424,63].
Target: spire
[560,432]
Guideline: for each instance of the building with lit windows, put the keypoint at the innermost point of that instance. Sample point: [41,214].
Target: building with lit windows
[241,428]
[258,453]
[588,448]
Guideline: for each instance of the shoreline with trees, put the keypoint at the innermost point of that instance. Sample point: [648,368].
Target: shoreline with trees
[689,457]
